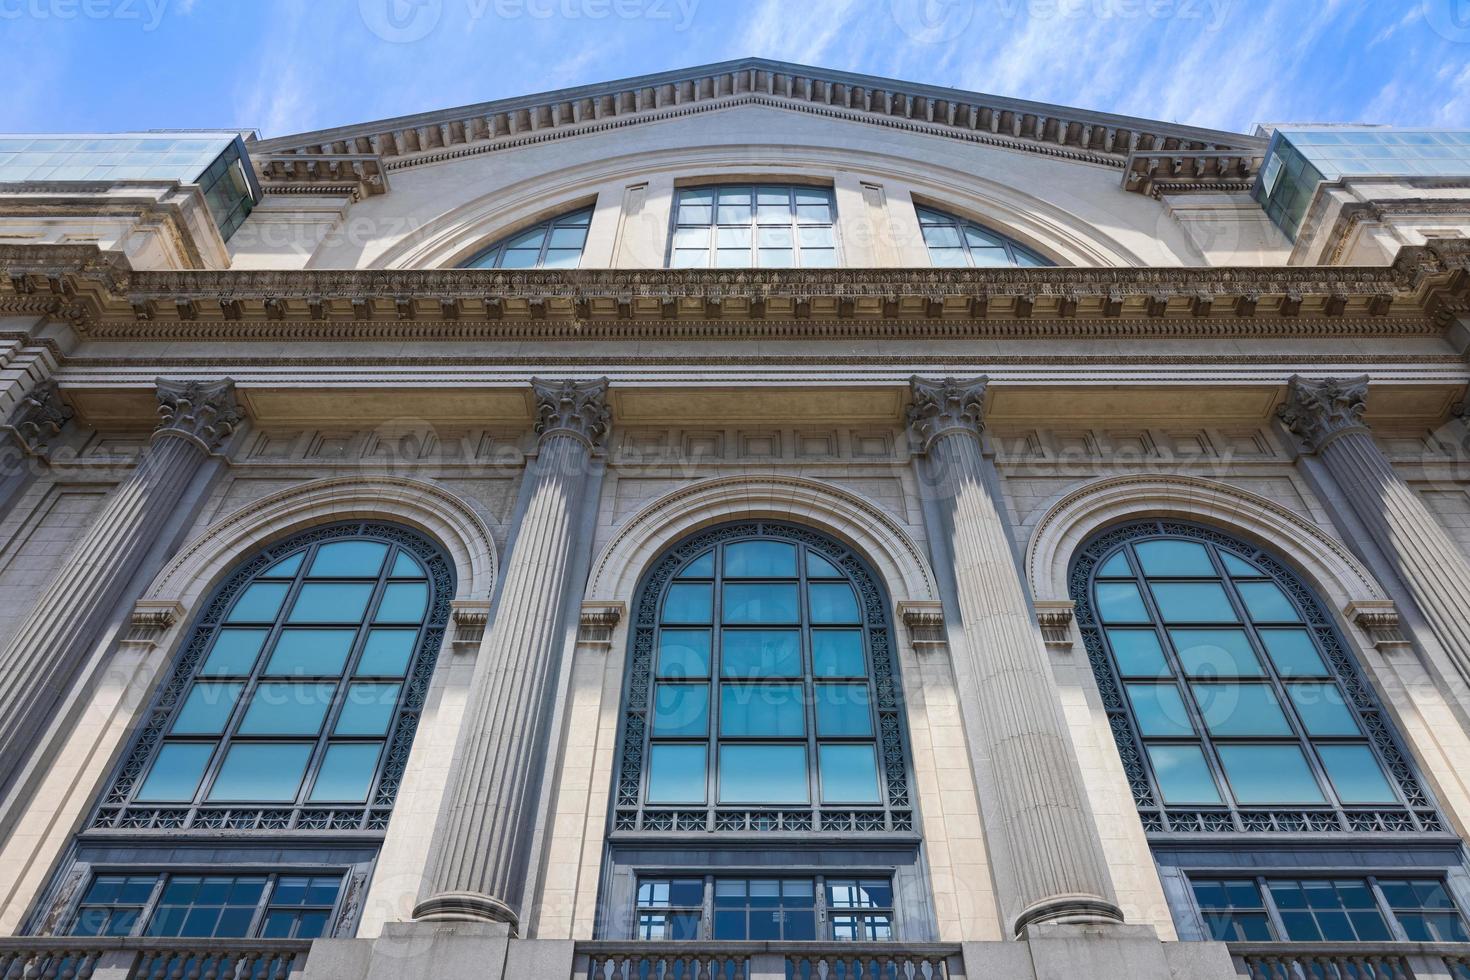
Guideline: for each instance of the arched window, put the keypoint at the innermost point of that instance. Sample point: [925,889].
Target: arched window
[1233,701]
[764,226]
[295,699]
[554,244]
[762,693]
[953,241]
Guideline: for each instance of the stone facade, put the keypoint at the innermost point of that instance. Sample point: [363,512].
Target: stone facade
[173,404]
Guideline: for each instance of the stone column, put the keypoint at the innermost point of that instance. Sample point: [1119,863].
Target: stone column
[1045,832]
[42,659]
[1327,417]
[35,419]
[481,851]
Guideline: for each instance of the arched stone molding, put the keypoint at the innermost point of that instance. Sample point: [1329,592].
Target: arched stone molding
[1079,513]
[465,228]
[890,550]
[449,519]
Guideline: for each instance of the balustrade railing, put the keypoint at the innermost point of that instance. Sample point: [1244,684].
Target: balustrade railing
[67,958]
[766,961]
[1352,961]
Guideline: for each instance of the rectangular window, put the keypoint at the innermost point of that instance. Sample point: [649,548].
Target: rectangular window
[1328,910]
[765,909]
[216,906]
[670,908]
[790,909]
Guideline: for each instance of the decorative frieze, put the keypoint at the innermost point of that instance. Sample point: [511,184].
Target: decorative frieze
[1316,411]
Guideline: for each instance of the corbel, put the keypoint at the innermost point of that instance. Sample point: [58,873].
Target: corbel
[598,620]
[471,617]
[1054,616]
[152,619]
[1379,620]
[925,621]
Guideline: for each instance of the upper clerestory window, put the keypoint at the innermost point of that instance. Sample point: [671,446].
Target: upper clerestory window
[766,226]
[554,244]
[955,242]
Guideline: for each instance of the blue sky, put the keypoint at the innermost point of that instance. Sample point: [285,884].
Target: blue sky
[286,66]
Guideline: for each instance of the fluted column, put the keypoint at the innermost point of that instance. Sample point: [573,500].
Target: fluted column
[38,416]
[1047,836]
[481,849]
[1327,417]
[42,659]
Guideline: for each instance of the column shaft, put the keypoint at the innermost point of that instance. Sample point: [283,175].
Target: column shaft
[483,843]
[1048,835]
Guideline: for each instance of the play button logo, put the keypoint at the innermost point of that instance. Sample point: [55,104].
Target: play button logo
[401,21]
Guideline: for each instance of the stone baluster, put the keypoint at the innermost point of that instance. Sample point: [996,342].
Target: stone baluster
[46,651]
[38,416]
[481,850]
[1326,416]
[1041,827]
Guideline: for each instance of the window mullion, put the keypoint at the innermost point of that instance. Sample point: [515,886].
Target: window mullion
[1273,913]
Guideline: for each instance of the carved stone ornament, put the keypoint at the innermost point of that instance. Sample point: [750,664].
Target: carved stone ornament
[1054,616]
[204,411]
[40,415]
[943,406]
[578,407]
[1317,410]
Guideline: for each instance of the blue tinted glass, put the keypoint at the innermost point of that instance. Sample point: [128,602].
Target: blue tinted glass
[1355,774]
[763,774]
[760,559]
[1216,653]
[842,709]
[1266,603]
[1159,710]
[1241,709]
[286,567]
[1322,709]
[1269,774]
[768,710]
[701,567]
[403,602]
[348,559]
[279,708]
[1176,558]
[206,709]
[683,653]
[676,773]
[268,773]
[387,653]
[1293,653]
[259,603]
[838,653]
[760,603]
[310,653]
[1183,775]
[849,774]
[833,602]
[1116,567]
[681,710]
[1138,653]
[689,604]
[1193,602]
[1119,602]
[330,603]
[176,772]
[346,772]
[760,653]
[1238,566]
[368,709]
[234,653]
[819,567]
[405,567]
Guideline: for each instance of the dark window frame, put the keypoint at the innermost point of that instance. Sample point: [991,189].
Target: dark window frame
[822,909]
[493,255]
[932,217]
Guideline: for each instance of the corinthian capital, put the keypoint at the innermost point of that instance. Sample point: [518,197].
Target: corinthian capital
[40,415]
[578,407]
[205,411]
[1317,410]
[942,406]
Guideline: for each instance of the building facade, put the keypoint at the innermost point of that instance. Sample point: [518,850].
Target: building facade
[752,521]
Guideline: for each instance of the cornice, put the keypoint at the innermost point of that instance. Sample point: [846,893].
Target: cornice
[100,296]
[1015,124]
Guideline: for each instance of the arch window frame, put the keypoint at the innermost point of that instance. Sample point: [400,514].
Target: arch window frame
[974,242]
[633,812]
[121,809]
[725,226]
[1414,810]
[493,255]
